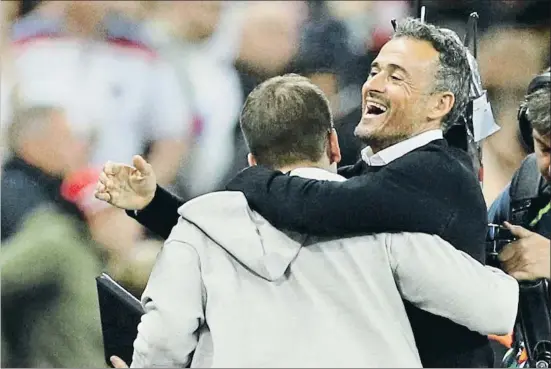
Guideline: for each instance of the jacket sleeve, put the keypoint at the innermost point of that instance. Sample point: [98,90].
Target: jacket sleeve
[161,215]
[173,303]
[394,199]
[499,210]
[434,276]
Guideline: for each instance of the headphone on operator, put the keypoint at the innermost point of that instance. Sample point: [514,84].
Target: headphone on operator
[525,127]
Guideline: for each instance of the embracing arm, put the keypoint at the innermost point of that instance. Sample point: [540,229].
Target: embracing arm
[434,276]
[397,198]
[161,214]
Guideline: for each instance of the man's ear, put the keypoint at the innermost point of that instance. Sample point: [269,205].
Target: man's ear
[441,104]
[334,150]
[251,160]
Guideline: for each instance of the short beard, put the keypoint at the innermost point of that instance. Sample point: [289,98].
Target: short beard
[378,143]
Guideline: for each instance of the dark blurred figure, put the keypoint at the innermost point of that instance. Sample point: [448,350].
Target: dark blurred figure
[454,14]
[269,42]
[43,150]
[49,304]
[323,57]
[27,6]
[521,13]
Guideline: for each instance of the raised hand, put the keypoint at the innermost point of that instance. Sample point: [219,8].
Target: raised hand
[127,187]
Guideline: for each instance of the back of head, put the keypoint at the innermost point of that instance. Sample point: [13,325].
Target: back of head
[453,72]
[286,120]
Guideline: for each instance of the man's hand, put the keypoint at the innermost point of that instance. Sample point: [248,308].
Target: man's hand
[118,362]
[527,258]
[126,187]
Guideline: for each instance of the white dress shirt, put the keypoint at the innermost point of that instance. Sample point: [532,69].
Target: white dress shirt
[398,150]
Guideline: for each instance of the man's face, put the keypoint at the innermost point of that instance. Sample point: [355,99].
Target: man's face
[542,147]
[396,93]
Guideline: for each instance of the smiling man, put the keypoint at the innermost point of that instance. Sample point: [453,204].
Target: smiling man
[398,102]
[409,179]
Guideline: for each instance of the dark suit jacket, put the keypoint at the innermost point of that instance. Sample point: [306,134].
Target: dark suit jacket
[432,190]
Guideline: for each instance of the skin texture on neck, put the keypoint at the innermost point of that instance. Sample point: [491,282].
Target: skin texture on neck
[417,132]
[322,164]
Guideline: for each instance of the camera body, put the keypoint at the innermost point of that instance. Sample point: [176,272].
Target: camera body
[497,237]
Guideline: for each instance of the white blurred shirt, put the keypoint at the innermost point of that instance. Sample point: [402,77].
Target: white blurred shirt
[207,75]
[119,90]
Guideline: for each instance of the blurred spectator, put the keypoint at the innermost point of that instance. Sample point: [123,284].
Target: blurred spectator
[8,12]
[44,149]
[49,305]
[200,39]
[88,58]
[270,36]
[323,55]
[369,28]
[269,41]
[455,14]
[508,58]
[534,14]
[48,289]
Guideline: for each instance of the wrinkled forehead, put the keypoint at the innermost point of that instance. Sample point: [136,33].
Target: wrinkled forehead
[417,57]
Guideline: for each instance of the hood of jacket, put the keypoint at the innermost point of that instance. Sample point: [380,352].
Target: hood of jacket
[226,219]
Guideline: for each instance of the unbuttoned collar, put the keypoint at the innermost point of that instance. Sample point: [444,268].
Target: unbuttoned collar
[398,150]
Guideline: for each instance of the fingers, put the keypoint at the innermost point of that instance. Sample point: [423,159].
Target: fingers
[106,181]
[141,165]
[518,231]
[105,189]
[103,196]
[112,168]
[118,362]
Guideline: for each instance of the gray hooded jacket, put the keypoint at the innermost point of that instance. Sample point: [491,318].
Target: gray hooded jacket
[230,290]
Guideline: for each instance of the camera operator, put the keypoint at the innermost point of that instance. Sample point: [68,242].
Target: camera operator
[523,207]
[525,202]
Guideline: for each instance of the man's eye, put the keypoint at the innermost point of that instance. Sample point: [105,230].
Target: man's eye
[396,78]
[373,73]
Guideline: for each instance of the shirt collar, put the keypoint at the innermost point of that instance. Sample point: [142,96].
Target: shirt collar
[398,150]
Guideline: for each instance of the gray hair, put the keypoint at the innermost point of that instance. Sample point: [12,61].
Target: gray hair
[454,72]
[28,122]
[537,104]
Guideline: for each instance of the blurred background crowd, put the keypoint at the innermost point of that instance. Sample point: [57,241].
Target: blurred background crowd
[83,82]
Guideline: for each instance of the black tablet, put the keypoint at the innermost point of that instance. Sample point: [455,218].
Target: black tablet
[120,314]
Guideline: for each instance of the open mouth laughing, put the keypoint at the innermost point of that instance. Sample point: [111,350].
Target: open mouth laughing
[374,109]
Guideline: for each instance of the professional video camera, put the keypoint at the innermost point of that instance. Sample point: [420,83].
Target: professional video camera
[533,302]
